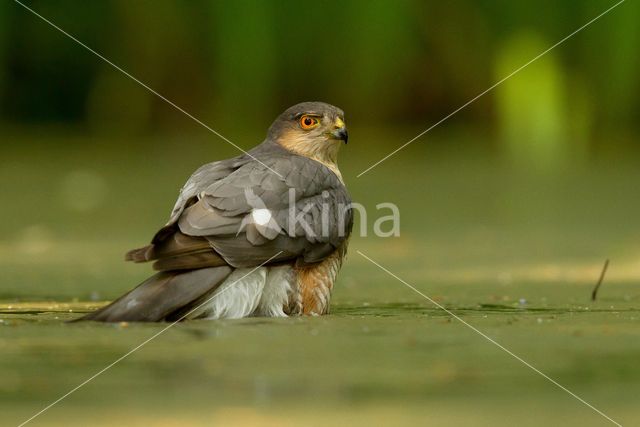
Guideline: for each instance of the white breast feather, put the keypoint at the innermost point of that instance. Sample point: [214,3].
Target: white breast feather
[238,296]
[275,294]
[260,292]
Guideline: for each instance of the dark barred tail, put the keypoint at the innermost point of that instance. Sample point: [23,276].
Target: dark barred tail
[165,296]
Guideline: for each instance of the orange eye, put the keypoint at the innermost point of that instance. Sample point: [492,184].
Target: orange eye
[308,122]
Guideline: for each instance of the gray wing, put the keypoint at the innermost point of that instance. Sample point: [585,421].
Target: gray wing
[201,179]
[217,207]
[318,225]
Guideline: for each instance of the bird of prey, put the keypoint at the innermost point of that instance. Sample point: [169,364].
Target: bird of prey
[261,234]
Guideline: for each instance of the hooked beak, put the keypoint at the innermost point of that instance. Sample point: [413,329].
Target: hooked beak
[340,131]
[341,134]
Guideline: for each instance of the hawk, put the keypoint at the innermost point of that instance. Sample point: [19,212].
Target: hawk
[261,234]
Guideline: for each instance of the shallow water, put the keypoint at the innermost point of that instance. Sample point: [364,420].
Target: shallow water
[367,362]
[517,261]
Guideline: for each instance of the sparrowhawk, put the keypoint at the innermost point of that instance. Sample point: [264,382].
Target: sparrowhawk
[261,234]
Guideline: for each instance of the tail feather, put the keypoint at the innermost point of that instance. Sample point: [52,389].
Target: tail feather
[189,262]
[172,245]
[139,254]
[161,296]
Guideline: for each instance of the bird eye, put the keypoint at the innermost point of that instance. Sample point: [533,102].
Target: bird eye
[309,122]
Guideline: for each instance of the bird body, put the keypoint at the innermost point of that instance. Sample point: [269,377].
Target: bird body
[261,234]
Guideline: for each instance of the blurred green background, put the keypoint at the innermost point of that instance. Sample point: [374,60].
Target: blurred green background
[238,64]
[508,209]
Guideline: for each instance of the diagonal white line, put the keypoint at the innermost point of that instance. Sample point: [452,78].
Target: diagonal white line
[139,346]
[168,101]
[491,340]
[472,100]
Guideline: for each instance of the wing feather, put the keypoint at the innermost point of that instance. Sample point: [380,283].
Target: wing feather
[215,208]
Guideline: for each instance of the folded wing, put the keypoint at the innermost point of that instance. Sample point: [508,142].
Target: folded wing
[237,212]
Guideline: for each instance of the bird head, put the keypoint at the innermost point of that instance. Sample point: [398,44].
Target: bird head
[312,129]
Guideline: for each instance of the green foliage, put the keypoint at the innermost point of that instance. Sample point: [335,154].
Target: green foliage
[227,60]
[532,107]
[406,64]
